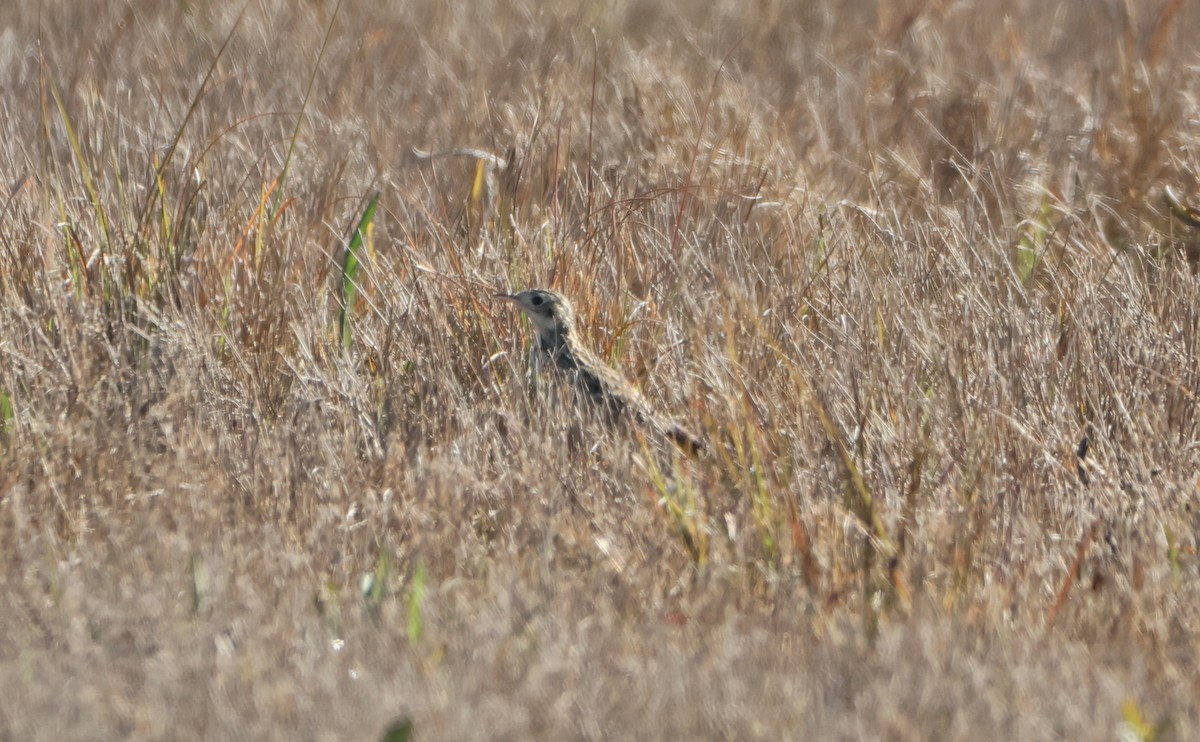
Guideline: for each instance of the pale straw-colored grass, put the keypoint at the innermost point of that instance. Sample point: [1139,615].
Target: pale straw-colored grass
[894,260]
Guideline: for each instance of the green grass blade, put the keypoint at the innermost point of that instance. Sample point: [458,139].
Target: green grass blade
[400,730]
[6,416]
[416,600]
[350,268]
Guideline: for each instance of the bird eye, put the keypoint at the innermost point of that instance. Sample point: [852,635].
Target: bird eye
[536,301]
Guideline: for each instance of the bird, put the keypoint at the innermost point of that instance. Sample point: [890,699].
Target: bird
[597,384]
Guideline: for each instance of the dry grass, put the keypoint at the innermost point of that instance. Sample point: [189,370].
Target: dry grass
[895,259]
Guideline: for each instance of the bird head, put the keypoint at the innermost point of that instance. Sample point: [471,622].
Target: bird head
[549,312]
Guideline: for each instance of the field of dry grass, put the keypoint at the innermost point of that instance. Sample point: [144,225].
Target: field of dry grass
[894,260]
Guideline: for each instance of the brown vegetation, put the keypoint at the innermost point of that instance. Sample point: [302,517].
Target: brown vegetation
[894,260]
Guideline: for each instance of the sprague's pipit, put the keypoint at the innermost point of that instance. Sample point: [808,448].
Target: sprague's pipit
[595,383]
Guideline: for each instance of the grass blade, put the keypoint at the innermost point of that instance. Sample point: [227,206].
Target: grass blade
[350,269]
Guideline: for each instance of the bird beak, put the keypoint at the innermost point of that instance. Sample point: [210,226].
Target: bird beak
[510,297]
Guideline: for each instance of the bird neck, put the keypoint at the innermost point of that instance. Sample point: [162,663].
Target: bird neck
[558,343]
[556,338]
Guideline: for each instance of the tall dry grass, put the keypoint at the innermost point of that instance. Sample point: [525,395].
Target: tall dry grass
[896,261]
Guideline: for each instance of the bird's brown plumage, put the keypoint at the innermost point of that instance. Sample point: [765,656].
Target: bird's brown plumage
[601,386]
